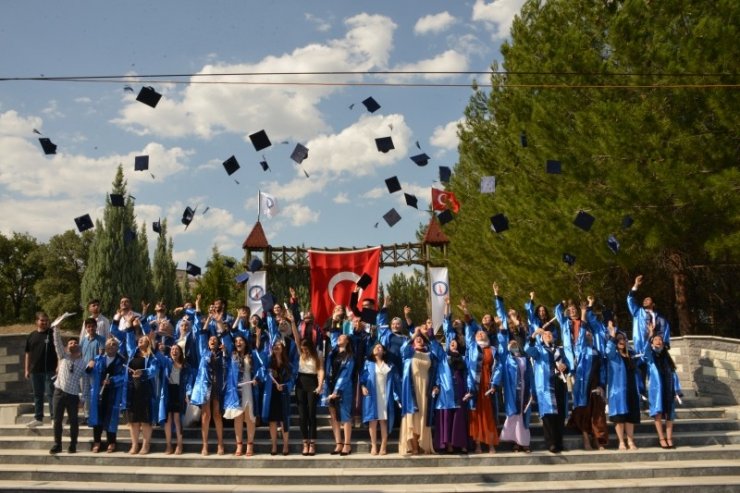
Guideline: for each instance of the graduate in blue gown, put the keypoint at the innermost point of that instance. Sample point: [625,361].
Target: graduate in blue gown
[208,392]
[379,382]
[337,394]
[538,316]
[107,381]
[622,387]
[515,378]
[663,387]
[177,385]
[141,401]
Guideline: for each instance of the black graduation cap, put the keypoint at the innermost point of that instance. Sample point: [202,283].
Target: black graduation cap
[231,165]
[229,263]
[208,207]
[444,174]
[369,316]
[384,144]
[84,223]
[392,217]
[299,153]
[569,258]
[116,200]
[157,226]
[255,264]
[129,235]
[411,200]
[371,105]
[242,278]
[260,140]
[364,281]
[141,163]
[627,221]
[265,166]
[48,146]
[584,220]
[128,89]
[420,159]
[554,167]
[612,243]
[268,301]
[187,216]
[499,223]
[445,216]
[149,96]
[393,184]
[192,269]
[523,138]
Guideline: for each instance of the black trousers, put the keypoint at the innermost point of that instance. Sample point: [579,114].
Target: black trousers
[65,402]
[553,424]
[98,434]
[307,402]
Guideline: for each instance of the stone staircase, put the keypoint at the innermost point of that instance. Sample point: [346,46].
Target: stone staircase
[707,459]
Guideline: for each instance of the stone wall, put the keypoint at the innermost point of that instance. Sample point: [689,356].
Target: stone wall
[709,366]
[13,386]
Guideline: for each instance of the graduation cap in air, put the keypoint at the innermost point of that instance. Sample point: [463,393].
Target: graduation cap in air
[129,235]
[420,159]
[242,278]
[231,165]
[393,184]
[157,226]
[192,269]
[411,200]
[84,223]
[523,138]
[268,302]
[487,184]
[392,217]
[554,167]
[569,258]
[445,216]
[128,89]
[371,105]
[265,166]
[384,144]
[48,146]
[229,263]
[255,264]
[149,96]
[584,220]
[612,243]
[117,200]
[364,281]
[627,221]
[141,163]
[444,174]
[499,223]
[260,140]
[187,216]
[299,153]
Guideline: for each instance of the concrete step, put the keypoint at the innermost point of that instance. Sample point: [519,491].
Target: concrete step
[291,476]
[23,443]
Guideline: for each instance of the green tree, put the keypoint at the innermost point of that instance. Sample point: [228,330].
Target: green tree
[63,259]
[20,270]
[118,264]
[408,290]
[164,271]
[666,157]
[215,281]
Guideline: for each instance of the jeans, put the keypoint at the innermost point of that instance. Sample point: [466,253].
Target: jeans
[69,402]
[42,385]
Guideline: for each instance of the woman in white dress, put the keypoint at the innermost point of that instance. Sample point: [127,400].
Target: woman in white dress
[242,382]
[379,381]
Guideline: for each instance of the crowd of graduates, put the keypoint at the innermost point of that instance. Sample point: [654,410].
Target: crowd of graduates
[444,388]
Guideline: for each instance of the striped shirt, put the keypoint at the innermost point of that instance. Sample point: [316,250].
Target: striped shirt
[69,370]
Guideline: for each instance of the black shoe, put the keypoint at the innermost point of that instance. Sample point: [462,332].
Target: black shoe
[72,449]
[55,449]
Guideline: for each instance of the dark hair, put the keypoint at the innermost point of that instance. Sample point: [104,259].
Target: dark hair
[74,338]
[282,357]
[91,321]
[41,315]
[181,359]
[93,301]
[246,309]
[371,356]
[547,312]
[308,344]
[223,302]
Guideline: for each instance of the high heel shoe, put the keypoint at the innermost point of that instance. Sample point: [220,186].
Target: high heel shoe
[238,451]
[304,452]
[250,449]
[338,449]
[344,451]
[311,448]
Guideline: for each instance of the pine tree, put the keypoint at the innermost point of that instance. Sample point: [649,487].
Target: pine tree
[164,278]
[215,282]
[118,264]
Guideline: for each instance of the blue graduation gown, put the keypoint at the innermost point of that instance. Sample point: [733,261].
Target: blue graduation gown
[474,358]
[566,332]
[408,394]
[369,402]
[506,377]
[617,380]
[640,318]
[116,385]
[585,360]
[202,383]
[186,387]
[149,375]
[544,370]
[342,386]
[663,384]
[233,393]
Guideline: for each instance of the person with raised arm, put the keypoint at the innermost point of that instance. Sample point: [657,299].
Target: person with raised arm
[539,316]
[141,400]
[337,394]
[107,381]
[176,389]
[516,329]
[240,395]
[380,390]
[514,376]
[208,392]
[622,385]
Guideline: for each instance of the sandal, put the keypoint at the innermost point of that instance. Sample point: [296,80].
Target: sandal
[622,446]
[311,448]
[305,448]
[238,451]
[631,444]
[669,442]
[663,443]
[95,448]
[344,451]
[338,449]
[111,448]
[250,449]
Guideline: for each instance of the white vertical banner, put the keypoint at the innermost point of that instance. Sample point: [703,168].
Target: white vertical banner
[439,289]
[256,288]
[268,204]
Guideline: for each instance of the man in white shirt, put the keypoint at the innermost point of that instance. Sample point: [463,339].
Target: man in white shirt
[103,328]
[70,370]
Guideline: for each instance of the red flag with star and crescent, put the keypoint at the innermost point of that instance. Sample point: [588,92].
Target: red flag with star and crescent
[334,275]
[442,200]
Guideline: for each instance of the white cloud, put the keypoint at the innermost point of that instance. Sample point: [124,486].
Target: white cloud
[52,110]
[497,15]
[14,125]
[434,23]
[446,136]
[341,198]
[374,193]
[282,110]
[180,257]
[448,61]
[322,25]
[300,214]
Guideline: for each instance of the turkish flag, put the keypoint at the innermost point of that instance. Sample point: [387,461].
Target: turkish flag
[442,200]
[334,275]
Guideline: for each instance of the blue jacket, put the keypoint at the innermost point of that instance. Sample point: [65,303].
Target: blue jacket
[507,378]
[544,360]
[203,384]
[342,385]
[186,387]
[617,380]
[369,402]
[232,393]
[587,359]
[663,384]
[116,385]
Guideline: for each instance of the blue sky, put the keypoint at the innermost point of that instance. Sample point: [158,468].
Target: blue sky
[196,127]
